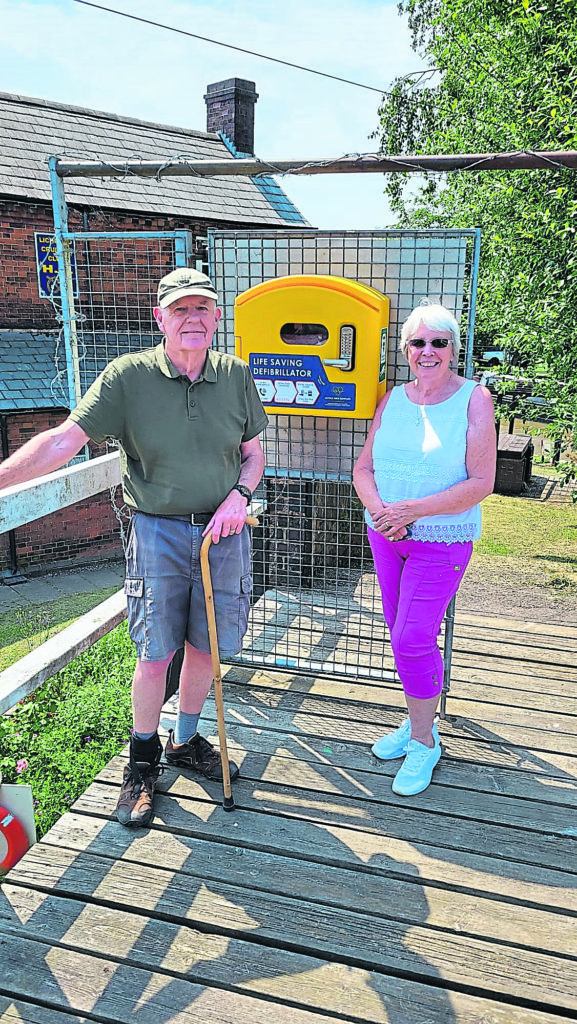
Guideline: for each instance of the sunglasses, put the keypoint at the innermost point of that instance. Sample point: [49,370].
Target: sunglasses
[435,342]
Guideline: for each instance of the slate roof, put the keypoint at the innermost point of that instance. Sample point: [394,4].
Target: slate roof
[27,360]
[33,129]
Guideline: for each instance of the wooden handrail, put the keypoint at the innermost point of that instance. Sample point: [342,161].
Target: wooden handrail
[22,504]
[39,497]
[45,494]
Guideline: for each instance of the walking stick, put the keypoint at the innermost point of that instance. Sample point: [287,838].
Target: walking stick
[228,799]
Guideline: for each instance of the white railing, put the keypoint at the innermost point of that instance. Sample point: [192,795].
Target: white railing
[24,503]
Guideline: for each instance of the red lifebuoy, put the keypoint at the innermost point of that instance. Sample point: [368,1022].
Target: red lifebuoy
[15,837]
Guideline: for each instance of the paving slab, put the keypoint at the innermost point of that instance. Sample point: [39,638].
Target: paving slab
[40,589]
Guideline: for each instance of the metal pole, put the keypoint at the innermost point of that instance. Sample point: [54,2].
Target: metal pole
[182,248]
[473,303]
[66,287]
[447,657]
[364,163]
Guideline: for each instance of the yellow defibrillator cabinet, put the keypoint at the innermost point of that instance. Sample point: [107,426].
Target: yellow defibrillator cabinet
[316,344]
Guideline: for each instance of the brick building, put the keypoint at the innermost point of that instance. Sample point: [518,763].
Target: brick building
[33,386]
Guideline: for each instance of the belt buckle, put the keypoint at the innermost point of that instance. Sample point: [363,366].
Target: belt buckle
[200,521]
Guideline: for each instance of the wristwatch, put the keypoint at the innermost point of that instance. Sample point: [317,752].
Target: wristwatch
[246,493]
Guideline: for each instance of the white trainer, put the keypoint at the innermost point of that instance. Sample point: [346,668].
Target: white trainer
[394,744]
[416,771]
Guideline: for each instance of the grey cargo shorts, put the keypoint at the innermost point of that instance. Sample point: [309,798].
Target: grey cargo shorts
[164,591]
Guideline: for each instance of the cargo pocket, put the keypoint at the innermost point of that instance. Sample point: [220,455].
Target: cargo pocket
[134,586]
[244,606]
[135,610]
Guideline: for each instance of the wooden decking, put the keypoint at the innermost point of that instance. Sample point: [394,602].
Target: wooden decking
[324,897]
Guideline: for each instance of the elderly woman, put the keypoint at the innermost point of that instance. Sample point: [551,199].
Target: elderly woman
[428,461]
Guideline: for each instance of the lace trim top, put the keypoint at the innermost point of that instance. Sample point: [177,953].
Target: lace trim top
[420,450]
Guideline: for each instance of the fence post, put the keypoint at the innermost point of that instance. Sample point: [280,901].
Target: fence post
[447,656]
[66,283]
[473,304]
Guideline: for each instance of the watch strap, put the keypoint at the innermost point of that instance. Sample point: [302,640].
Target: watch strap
[245,491]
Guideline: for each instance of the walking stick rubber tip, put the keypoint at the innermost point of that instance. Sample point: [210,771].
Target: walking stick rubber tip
[228,803]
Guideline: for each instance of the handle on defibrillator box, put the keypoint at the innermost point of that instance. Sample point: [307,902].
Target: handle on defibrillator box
[347,349]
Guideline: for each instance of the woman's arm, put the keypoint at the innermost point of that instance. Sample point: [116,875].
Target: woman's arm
[480,460]
[364,479]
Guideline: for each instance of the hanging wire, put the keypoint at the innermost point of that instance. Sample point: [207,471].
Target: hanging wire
[239,49]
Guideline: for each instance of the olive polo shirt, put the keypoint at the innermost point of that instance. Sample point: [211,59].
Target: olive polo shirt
[179,439]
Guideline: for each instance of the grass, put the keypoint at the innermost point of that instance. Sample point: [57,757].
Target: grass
[24,628]
[59,738]
[529,543]
[531,529]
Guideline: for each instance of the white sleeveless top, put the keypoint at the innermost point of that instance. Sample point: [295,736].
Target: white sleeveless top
[419,450]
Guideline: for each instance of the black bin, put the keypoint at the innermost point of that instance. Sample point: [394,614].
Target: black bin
[514,463]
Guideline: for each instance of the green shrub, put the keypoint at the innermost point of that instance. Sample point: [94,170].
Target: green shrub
[59,738]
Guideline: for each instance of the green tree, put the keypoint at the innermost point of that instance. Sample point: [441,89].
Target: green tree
[502,77]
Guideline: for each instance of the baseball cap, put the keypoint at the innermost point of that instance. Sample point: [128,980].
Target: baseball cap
[184,281]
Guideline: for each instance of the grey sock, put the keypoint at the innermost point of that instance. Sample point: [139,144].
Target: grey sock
[144,736]
[186,726]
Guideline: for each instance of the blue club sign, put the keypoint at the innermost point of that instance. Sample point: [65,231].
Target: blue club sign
[47,267]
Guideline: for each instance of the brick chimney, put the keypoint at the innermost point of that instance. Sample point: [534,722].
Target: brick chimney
[230,109]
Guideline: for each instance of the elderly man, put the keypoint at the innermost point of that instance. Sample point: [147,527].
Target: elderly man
[187,419]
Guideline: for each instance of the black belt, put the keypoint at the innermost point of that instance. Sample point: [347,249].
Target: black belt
[195,518]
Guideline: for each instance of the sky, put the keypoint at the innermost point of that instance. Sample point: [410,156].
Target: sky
[64,51]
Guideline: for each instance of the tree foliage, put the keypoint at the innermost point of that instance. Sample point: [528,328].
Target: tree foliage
[504,79]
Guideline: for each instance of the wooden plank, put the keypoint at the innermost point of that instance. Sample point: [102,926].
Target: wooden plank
[309,715]
[497,622]
[366,631]
[528,750]
[362,795]
[24,503]
[476,686]
[338,845]
[355,937]
[506,650]
[493,677]
[27,674]
[468,634]
[349,653]
[491,722]
[112,991]
[263,751]
[16,1011]
[464,671]
[328,620]
[319,814]
[336,746]
[345,990]
[346,886]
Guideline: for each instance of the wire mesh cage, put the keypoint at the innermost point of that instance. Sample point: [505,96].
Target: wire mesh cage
[317,604]
[115,291]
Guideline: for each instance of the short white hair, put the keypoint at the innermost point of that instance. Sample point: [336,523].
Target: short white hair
[435,316]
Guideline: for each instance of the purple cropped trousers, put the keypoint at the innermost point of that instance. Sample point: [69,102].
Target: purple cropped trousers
[417,580]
